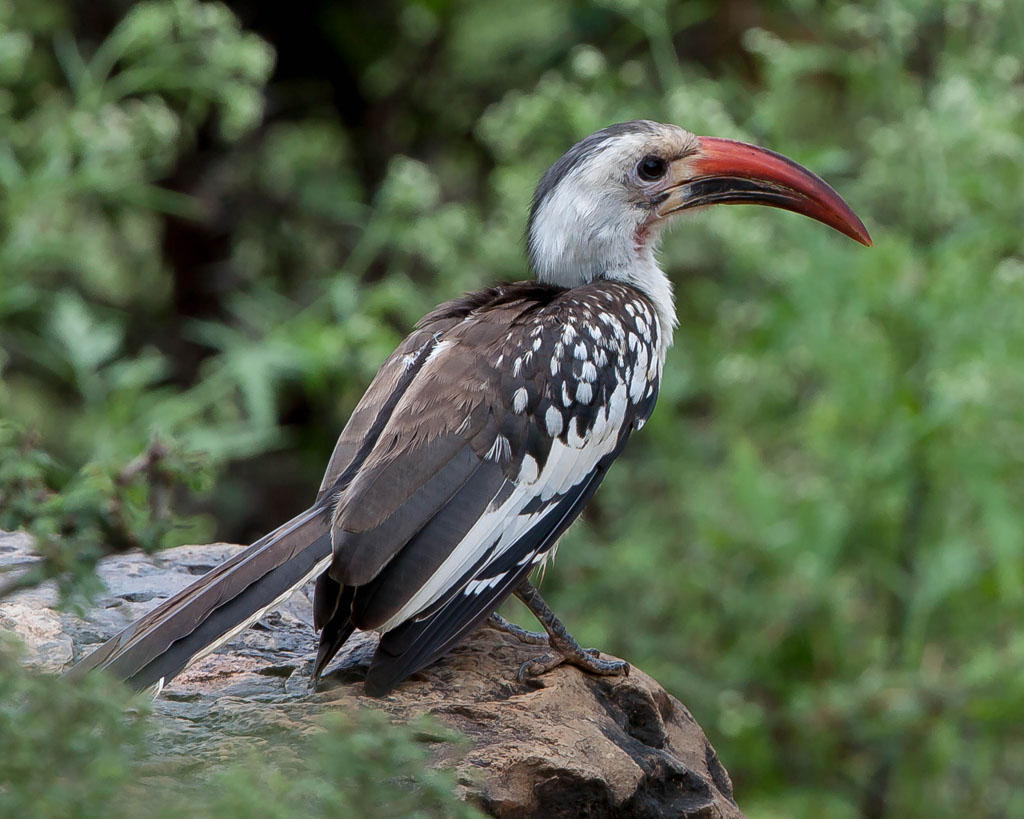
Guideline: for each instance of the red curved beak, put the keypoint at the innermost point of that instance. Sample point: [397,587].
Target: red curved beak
[727,172]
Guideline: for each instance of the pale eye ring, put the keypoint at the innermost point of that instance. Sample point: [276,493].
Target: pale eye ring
[651,168]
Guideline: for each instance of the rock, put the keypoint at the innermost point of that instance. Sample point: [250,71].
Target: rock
[568,745]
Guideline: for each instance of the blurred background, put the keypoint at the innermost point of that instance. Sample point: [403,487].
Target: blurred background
[217,220]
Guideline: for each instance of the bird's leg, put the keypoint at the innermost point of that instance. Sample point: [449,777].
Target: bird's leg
[564,647]
[534,638]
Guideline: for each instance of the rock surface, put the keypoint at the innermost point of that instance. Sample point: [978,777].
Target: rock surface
[569,745]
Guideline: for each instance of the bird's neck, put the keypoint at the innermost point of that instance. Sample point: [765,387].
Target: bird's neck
[635,265]
[651,280]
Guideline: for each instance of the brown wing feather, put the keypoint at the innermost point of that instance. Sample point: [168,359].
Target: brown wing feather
[376,405]
[432,444]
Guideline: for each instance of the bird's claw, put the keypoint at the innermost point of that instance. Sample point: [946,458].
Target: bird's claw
[533,638]
[587,659]
[536,666]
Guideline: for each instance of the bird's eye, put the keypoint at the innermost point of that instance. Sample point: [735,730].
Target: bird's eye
[651,168]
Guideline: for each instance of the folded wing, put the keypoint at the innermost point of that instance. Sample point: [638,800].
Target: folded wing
[507,422]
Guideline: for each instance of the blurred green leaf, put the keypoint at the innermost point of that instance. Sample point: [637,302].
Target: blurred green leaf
[821,514]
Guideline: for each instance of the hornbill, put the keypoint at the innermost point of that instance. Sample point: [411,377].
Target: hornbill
[489,428]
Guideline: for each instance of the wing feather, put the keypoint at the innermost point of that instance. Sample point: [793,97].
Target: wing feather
[417,643]
[363,550]
[414,578]
[374,409]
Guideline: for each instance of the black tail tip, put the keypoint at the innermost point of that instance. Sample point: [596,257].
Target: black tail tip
[375,687]
[371,687]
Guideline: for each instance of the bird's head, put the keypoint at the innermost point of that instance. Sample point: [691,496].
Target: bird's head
[599,210]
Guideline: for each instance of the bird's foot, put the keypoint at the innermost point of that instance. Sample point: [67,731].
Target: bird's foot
[564,648]
[533,638]
[586,658]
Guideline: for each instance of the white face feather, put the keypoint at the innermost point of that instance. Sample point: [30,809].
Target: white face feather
[595,221]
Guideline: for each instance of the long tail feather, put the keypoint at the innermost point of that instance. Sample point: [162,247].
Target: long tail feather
[217,606]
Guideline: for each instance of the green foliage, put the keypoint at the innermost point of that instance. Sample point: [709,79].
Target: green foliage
[820,518]
[84,750]
[66,748]
[78,517]
[81,151]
